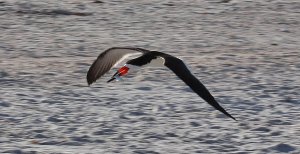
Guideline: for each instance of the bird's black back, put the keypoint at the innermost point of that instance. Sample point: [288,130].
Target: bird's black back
[145,58]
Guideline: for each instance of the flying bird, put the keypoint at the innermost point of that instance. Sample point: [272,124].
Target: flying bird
[112,56]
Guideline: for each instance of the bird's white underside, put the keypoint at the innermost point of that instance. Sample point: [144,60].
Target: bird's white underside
[132,55]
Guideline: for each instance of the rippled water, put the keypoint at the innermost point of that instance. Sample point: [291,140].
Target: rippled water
[245,52]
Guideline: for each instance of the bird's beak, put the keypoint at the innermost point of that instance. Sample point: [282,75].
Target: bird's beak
[112,79]
[117,76]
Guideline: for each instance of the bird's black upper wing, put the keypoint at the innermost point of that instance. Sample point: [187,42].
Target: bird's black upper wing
[180,69]
[107,59]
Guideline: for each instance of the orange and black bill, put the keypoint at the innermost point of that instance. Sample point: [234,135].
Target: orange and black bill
[121,72]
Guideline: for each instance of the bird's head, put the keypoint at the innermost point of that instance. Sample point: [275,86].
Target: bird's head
[121,72]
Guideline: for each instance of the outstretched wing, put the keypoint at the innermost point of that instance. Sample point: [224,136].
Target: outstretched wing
[107,59]
[179,68]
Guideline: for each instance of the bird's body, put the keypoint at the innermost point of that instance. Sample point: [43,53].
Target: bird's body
[110,57]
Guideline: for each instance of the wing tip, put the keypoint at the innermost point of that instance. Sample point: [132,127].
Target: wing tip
[227,114]
[217,106]
[232,117]
[89,84]
[89,81]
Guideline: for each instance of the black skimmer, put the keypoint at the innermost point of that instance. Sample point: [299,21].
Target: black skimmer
[112,56]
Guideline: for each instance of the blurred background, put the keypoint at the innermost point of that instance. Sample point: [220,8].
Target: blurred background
[246,52]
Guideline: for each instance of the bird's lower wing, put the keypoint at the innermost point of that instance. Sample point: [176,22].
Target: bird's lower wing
[179,68]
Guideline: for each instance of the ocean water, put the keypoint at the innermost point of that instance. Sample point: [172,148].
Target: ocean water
[245,52]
